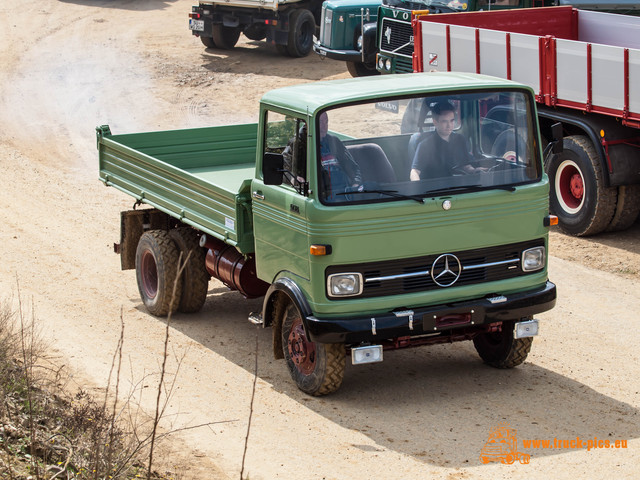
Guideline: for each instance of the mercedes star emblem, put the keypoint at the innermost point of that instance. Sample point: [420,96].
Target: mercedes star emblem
[446,270]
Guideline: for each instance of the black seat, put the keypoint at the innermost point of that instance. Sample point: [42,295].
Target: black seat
[374,164]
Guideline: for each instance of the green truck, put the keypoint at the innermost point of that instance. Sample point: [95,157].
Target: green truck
[351,260]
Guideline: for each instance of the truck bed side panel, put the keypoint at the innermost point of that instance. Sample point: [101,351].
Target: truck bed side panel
[580,59]
[200,176]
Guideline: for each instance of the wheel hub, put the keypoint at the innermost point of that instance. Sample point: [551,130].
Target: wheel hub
[577,186]
[301,350]
[149,275]
[569,187]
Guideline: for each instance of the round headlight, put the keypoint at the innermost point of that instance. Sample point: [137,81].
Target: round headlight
[387,65]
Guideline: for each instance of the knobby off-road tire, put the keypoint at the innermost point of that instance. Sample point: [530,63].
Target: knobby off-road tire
[157,272]
[195,278]
[225,37]
[578,197]
[317,368]
[359,69]
[500,349]
[302,27]
[627,208]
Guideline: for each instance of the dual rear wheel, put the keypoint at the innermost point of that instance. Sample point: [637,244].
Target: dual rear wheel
[170,271]
[579,197]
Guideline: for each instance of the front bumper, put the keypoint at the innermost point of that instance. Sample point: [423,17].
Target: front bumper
[432,319]
[344,55]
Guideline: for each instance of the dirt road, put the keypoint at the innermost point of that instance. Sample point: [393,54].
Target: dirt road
[70,65]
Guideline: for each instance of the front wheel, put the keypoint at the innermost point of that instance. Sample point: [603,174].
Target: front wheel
[317,368]
[157,272]
[501,349]
[579,197]
[302,26]
[359,69]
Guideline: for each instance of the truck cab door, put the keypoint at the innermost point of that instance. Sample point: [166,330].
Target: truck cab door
[279,210]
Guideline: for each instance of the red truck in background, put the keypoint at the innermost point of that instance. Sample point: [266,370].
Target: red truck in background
[585,68]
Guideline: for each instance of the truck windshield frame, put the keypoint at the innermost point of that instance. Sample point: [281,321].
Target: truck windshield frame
[398,149]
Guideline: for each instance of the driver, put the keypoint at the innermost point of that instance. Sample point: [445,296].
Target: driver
[339,169]
[443,151]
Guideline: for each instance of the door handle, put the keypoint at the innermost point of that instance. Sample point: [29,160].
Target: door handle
[257,195]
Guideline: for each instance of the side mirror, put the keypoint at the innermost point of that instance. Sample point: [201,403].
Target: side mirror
[558,136]
[272,168]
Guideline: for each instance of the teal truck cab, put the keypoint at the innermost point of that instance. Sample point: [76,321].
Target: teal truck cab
[315,209]
[348,29]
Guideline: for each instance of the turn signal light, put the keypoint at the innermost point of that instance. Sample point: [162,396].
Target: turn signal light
[550,220]
[319,250]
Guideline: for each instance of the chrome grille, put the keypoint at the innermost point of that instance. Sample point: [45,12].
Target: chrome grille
[410,275]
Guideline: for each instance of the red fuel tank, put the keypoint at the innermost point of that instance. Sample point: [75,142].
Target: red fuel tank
[232,268]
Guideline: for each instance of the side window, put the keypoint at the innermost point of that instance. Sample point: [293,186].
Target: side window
[288,135]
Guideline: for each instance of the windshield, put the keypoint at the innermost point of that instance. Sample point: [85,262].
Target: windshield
[434,6]
[420,147]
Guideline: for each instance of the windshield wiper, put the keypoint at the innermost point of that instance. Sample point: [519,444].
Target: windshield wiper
[391,193]
[468,189]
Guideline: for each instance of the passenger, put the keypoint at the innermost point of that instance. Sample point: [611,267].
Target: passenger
[443,152]
[340,172]
[295,157]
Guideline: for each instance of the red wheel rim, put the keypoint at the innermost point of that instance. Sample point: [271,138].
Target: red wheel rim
[301,350]
[569,186]
[149,272]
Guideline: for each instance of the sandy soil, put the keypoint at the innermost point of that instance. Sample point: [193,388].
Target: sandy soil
[70,65]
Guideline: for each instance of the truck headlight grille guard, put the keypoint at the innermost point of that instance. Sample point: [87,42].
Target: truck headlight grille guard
[409,275]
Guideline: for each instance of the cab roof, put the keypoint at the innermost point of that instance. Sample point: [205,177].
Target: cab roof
[312,97]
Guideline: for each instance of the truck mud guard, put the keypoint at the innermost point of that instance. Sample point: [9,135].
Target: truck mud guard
[293,291]
[583,124]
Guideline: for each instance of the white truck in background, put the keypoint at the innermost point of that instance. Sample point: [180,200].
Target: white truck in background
[289,25]
[585,69]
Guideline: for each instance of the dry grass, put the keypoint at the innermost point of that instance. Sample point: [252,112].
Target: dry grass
[46,432]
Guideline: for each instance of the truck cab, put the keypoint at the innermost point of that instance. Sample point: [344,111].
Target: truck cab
[374,259]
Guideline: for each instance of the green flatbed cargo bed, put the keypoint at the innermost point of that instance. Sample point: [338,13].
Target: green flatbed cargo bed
[199,176]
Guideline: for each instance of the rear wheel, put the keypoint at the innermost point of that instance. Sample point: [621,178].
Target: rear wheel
[157,272]
[208,42]
[583,204]
[359,69]
[225,37]
[627,208]
[317,368]
[302,27]
[501,349]
[195,278]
